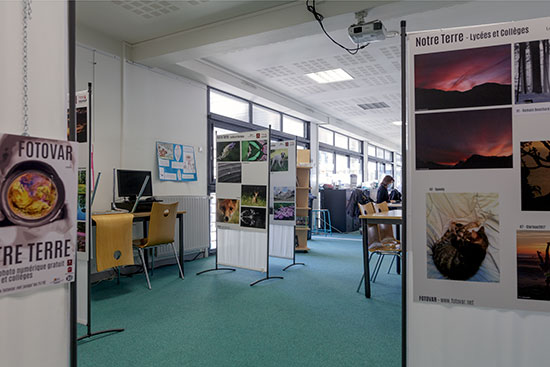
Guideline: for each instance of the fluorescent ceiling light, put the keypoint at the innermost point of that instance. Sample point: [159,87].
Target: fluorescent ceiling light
[330,76]
[398,123]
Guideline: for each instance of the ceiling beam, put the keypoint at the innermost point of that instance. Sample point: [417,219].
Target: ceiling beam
[243,31]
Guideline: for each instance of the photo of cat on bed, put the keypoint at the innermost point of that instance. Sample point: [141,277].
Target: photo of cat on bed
[462,236]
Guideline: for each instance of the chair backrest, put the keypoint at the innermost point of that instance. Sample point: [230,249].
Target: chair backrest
[113,240]
[367,208]
[162,226]
[382,207]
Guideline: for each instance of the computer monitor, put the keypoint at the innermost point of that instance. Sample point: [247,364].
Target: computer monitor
[130,182]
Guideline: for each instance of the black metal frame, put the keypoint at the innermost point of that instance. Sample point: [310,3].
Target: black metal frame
[404,189]
[71,20]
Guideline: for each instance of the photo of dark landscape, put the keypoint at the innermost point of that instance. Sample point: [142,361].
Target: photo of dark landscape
[535,175]
[229,172]
[533,265]
[464,139]
[532,69]
[463,78]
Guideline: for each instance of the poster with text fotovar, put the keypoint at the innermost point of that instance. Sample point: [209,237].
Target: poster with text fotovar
[479,106]
[176,162]
[38,209]
[242,169]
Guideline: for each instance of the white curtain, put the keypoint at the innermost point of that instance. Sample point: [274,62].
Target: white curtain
[281,241]
[242,249]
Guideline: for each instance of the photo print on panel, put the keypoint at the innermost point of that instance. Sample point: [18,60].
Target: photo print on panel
[532,72]
[533,265]
[464,139]
[279,160]
[462,232]
[535,175]
[227,211]
[472,77]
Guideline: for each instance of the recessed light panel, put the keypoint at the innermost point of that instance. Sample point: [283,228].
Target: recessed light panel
[330,76]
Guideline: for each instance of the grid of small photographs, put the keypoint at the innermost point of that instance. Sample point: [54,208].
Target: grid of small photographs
[81,211]
[284,207]
[463,116]
[247,207]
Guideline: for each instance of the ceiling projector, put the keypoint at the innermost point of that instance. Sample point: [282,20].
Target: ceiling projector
[362,32]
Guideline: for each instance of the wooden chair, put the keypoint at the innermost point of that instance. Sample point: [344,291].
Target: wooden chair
[162,227]
[377,245]
[113,241]
[386,230]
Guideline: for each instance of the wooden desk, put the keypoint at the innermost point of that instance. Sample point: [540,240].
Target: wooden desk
[393,206]
[389,217]
[144,217]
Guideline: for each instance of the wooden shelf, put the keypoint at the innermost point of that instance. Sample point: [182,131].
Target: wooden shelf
[304,249]
[303,171]
[302,208]
[298,167]
[302,228]
[303,188]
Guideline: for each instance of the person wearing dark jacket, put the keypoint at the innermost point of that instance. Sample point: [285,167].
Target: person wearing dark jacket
[382,194]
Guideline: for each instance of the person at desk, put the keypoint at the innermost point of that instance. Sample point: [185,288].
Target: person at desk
[382,194]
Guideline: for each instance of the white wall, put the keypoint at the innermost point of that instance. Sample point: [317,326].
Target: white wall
[34,327]
[156,107]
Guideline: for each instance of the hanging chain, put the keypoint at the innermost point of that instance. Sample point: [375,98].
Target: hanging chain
[27,15]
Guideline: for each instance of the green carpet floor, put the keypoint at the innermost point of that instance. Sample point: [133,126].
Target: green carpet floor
[313,317]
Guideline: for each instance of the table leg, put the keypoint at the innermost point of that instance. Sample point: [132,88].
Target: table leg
[180,222]
[366,269]
[398,262]
[146,252]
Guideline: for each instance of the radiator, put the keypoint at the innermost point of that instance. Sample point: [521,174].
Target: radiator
[196,223]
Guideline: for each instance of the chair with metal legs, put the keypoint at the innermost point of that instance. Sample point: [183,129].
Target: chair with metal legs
[162,227]
[377,245]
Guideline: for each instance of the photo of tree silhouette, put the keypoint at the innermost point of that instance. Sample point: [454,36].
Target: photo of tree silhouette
[535,175]
[463,78]
[532,69]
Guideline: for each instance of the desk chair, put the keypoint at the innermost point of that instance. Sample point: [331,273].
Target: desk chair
[377,245]
[162,227]
[113,241]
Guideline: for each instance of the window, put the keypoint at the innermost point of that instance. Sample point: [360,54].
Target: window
[340,141]
[379,153]
[293,126]
[389,156]
[326,136]
[326,167]
[229,106]
[264,117]
[355,145]
[342,169]
[371,150]
[356,167]
[381,171]
[371,167]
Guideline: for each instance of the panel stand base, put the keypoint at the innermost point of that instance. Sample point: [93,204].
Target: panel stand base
[89,335]
[215,269]
[293,265]
[266,278]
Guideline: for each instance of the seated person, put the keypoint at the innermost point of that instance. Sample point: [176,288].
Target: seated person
[382,194]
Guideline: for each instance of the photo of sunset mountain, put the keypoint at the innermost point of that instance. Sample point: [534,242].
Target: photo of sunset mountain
[463,78]
[464,139]
[533,265]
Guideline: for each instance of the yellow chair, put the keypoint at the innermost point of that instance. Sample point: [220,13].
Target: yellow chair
[382,207]
[113,240]
[162,226]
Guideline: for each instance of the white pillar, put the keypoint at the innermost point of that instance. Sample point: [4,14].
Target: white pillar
[34,325]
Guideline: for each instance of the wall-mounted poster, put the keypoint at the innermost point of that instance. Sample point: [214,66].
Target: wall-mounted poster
[176,162]
[38,212]
[480,146]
